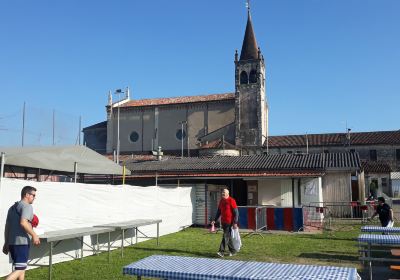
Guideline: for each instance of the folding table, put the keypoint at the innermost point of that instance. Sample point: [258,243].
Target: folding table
[190,268]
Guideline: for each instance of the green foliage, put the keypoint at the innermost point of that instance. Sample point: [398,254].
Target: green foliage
[338,249]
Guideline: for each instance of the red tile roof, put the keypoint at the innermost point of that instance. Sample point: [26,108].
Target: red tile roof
[217,144]
[336,139]
[179,100]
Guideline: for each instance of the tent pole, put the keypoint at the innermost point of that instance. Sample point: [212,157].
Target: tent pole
[2,167]
[123,174]
[75,171]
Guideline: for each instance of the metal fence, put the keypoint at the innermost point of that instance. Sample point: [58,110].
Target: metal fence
[314,217]
[253,218]
[330,215]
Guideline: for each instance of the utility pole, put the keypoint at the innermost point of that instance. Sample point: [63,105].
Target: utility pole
[182,135]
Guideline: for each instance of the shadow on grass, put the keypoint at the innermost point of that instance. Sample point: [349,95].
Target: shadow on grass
[328,238]
[322,256]
[175,251]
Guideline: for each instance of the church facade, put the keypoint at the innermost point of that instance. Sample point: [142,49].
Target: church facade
[182,125]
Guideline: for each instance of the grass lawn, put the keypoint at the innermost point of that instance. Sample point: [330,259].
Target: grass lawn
[332,248]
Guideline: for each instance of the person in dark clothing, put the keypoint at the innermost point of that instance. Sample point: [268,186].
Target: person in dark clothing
[228,211]
[384,211]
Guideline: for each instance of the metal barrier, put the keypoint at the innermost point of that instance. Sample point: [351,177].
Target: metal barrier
[253,218]
[352,210]
[316,217]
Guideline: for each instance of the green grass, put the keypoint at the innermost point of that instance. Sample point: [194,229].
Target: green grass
[332,248]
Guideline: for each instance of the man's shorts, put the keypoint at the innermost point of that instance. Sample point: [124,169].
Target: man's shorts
[19,255]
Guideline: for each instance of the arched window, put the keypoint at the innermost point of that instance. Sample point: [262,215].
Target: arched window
[134,136]
[253,77]
[244,78]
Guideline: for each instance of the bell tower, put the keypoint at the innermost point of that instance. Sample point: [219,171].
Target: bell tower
[251,108]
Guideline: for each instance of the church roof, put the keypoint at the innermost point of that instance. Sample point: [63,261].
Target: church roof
[335,139]
[179,100]
[249,47]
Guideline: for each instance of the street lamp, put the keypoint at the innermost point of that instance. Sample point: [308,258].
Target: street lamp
[182,123]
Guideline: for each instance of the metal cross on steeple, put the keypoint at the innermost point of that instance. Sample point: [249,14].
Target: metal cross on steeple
[248,5]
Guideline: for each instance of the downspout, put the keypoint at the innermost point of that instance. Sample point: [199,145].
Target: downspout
[293,206]
[205,205]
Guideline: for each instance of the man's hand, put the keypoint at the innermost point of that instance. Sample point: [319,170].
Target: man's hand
[235,226]
[35,240]
[5,249]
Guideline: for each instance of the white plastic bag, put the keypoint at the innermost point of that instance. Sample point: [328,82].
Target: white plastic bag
[390,224]
[237,243]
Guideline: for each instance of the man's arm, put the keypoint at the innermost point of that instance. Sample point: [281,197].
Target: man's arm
[235,217]
[391,214]
[26,225]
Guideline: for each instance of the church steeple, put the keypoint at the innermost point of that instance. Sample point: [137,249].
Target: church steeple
[251,109]
[249,47]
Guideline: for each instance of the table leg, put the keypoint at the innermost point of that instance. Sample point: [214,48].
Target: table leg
[369,262]
[50,259]
[122,243]
[109,241]
[81,248]
[158,234]
[97,241]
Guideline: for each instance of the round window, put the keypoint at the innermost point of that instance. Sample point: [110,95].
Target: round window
[180,134]
[134,137]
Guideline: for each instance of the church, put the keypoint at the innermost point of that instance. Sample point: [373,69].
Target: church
[232,124]
[187,125]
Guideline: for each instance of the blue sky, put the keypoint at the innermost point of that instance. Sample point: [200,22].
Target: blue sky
[329,63]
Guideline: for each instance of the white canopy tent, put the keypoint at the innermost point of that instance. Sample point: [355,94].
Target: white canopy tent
[72,159]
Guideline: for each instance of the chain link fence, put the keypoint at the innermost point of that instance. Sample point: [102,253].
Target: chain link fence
[36,126]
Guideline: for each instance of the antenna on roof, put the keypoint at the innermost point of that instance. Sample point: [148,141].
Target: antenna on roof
[248,6]
[306,143]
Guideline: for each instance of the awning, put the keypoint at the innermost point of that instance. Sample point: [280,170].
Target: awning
[61,158]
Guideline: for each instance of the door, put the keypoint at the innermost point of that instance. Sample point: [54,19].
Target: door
[286,193]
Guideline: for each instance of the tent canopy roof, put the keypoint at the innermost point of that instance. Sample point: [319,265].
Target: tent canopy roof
[61,158]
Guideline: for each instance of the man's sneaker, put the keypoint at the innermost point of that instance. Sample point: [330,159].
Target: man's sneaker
[220,254]
[232,254]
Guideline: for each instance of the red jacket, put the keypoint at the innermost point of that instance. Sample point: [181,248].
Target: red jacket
[228,211]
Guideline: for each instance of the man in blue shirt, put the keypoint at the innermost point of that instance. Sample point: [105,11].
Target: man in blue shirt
[17,233]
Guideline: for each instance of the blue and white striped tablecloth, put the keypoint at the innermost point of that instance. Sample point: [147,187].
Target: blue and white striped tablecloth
[379,239]
[189,268]
[380,229]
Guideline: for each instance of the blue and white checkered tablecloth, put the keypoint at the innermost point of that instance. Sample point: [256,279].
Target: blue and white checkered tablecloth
[380,229]
[189,268]
[379,239]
